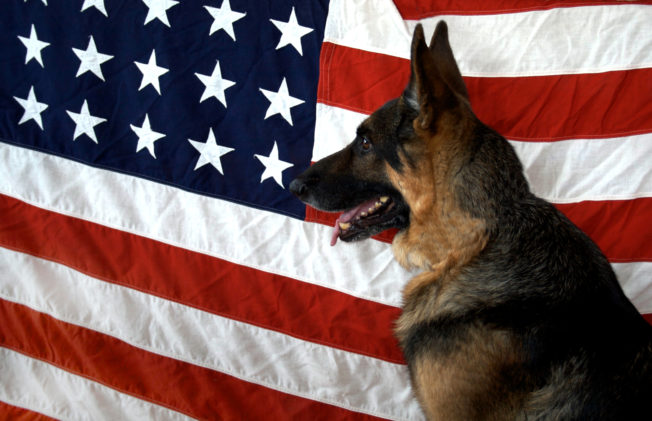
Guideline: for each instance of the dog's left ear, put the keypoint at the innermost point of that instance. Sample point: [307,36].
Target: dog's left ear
[435,83]
[445,60]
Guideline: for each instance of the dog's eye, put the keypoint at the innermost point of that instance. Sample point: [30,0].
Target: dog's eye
[365,143]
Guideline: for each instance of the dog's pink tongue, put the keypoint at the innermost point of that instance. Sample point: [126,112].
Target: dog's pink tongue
[336,228]
[346,217]
[336,233]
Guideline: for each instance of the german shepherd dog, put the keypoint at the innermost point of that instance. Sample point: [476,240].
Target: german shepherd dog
[516,313]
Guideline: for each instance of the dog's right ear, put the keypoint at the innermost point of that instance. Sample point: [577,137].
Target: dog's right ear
[435,78]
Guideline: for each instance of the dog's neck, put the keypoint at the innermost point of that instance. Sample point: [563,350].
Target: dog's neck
[441,237]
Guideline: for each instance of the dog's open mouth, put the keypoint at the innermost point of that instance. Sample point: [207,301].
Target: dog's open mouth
[366,219]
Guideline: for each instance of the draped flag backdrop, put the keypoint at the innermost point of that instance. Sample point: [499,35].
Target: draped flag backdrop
[153,264]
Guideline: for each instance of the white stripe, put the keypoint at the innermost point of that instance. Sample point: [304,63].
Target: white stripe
[557,41]
[260,239]
[334,129]
[174,330]
[44,388]
[266,241]
[560,172]
[371,25]
[589,169]
[636,280]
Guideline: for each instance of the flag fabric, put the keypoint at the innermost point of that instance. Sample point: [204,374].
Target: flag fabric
[153,264]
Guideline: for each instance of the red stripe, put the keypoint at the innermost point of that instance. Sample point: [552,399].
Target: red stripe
[263,299]
[14,413]
[648,317]
[538,108]
[413,10]
[621,228]
[359,80]
[196,391]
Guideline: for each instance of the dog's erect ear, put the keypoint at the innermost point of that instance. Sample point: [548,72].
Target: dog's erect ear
[435,78]
[445,60]
[411,94]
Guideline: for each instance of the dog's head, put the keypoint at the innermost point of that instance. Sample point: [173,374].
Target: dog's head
[378,179]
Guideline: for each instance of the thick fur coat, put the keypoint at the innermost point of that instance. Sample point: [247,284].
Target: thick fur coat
[516,313]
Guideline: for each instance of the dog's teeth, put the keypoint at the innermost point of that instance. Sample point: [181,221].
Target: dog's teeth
[377,205]
[345,225]
[384,199]
[363,214]
[371,209]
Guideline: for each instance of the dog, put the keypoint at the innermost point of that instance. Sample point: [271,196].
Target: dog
[516,314]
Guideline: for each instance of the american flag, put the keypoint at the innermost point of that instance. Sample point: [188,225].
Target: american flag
[153,264]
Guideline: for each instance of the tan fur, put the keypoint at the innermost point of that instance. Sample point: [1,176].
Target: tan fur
[475,331]
[464,384]
[439,232]
[441,237]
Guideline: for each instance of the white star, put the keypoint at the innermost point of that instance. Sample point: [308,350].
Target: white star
[85,123]
[281,102]
[291,32]
[146,136]
[224,18]
[45,2]
[91,59]
[158,10]
[34,47]
[215,85]
[33,108]
[151,72]
[98,4]
[274,167]
[210,152]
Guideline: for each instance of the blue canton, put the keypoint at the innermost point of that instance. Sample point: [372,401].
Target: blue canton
[216,97]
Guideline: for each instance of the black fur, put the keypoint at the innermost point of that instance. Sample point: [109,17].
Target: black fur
[584,352]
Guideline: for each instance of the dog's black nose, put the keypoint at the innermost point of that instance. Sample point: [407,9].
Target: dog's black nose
[298,187]
[305,182]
